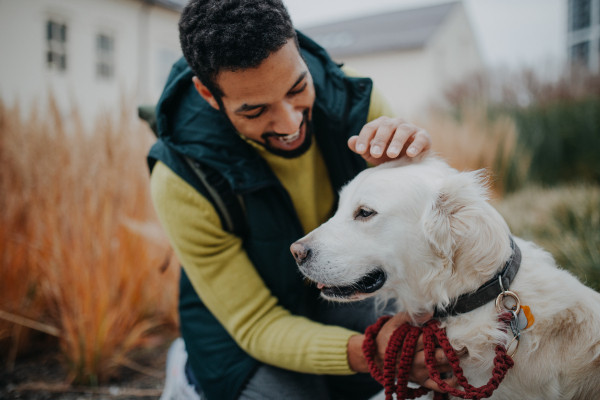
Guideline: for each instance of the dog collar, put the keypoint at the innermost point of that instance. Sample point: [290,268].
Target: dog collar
[488,291]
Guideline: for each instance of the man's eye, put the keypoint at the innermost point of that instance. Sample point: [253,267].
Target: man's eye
[255,115]
[298,91]
[364,213]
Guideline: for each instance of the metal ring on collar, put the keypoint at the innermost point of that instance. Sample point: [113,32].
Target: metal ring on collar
[500,302]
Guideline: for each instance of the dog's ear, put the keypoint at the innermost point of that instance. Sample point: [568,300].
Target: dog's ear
[451,214]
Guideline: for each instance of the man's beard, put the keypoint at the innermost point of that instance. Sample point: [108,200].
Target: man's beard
[298,151]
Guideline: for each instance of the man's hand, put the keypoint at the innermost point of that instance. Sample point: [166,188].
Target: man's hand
[418,372]
[385,139]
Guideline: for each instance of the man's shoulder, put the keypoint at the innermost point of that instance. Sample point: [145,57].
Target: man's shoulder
[351,72]
[167,188]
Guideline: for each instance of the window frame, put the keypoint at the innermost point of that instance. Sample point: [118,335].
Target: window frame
[57,39]
[105,67]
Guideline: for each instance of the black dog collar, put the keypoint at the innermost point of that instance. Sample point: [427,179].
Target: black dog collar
[488,291]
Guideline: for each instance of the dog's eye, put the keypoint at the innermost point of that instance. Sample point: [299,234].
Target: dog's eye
[364,213]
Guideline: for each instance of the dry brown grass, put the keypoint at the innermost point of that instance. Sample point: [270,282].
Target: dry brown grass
[472,141]
[81,249]
[564,220]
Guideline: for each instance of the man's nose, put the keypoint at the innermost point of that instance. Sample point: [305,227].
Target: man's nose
[300,251]
[287,119]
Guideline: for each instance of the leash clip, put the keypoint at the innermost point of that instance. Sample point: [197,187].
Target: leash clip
[514,311]
[516,331]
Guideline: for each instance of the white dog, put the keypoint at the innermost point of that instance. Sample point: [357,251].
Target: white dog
[422,234]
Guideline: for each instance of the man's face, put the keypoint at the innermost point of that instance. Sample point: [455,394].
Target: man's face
[271,104]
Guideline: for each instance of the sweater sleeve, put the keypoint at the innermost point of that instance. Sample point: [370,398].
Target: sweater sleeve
[218,267]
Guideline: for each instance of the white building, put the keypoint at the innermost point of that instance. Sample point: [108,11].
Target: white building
[583,40]
[411,55]
[92,54]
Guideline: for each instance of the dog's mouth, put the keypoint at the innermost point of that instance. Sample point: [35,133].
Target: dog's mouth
[369,283]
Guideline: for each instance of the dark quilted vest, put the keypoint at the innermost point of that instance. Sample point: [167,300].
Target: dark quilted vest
[188,126]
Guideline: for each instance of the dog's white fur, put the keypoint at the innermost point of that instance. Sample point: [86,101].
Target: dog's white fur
[436,237]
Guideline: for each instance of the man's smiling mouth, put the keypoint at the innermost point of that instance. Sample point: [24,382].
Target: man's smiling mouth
[287,139]
[290,145]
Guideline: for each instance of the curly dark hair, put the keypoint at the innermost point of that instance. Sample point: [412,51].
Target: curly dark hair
[231,35]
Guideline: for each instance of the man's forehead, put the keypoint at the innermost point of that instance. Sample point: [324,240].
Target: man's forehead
[276,75]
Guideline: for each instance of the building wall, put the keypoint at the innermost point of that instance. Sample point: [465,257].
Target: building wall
[413,79]
[402,76]
[144,38]
[454,51]
[583,39]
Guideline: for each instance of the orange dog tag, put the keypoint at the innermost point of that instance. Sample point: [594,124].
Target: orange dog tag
[528,315]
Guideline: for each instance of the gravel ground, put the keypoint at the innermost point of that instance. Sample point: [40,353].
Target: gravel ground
[41,376]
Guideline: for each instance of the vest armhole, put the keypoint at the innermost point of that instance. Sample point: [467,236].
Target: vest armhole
[230,206]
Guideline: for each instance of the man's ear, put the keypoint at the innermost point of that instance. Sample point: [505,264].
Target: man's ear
[205,93]
[453,212]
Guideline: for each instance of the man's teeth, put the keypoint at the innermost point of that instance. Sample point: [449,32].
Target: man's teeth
[289,138]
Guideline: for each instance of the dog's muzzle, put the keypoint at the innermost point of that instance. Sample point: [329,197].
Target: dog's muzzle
[369,283]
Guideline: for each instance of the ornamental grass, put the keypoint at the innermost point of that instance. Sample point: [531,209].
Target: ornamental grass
[82,256]
[475,141]
[564,220]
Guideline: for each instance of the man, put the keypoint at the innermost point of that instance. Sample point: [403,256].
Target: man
[264,113]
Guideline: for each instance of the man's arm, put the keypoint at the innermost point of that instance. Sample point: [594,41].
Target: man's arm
[231,288]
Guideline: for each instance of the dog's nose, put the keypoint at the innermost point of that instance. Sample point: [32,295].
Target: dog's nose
[300,252]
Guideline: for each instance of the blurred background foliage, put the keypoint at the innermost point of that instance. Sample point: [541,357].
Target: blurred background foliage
[540,141]
[85,266]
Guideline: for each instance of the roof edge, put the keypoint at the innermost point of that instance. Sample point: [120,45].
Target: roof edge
[391,10]
[168,4]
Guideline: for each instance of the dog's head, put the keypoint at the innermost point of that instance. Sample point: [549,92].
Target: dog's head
[416,231]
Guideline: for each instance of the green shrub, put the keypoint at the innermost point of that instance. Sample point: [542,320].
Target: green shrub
[562,140]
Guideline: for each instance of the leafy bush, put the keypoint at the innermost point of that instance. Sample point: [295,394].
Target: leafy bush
[562,139]
[557,124]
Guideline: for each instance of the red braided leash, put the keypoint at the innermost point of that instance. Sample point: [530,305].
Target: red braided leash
[406,336]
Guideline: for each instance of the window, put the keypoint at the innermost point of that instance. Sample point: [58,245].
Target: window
[105,56]
[580,53]
[579,14]
[56,38]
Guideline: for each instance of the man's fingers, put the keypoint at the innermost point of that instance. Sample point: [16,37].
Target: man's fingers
[430,384]
[418,369]
[422,142]
[418,361]
[367,133]
[440,358]
[352,143]
[382,136]
[401,135]
[444,368]
[419,345]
